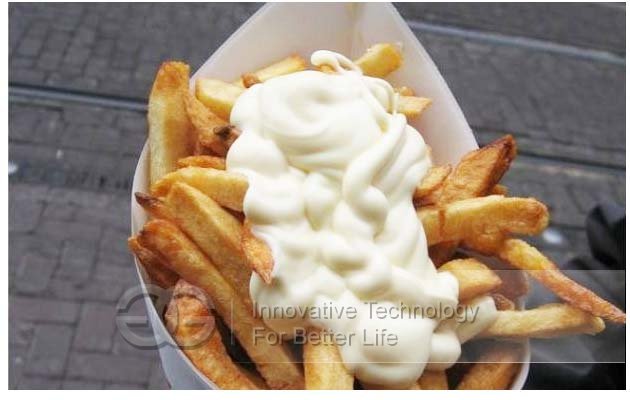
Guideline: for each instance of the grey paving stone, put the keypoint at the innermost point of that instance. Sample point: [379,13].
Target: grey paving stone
[595,26]
[106,367]
[157,380]
[17,359]
[38,383]
[34,273]
[42,310]
[96,328]
[49,351]
[78,384]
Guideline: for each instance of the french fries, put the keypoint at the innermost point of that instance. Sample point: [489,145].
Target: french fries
[273,361]
[523,256]
[293,63]
[494,370]
[547,321]
[474,278]
[158,272]
[202,161]
[191,323]
[467,218]
[225,188]
[209,128]
[323,367]
[433,380]
[198,240]
[380,60]
[170,132]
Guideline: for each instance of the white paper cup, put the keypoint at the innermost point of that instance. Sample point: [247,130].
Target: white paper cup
[282,28]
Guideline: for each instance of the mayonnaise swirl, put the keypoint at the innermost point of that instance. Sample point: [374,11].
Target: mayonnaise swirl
[331,175]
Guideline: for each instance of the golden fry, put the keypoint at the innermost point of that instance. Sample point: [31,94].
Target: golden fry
[474,277]
[380,60]
[323,366]
[215,231]
[155,267]
[521,255]
[433,380]
[431,181]
[494,370]
[202,161]
[412,106]
[273,361]
[154,206]
[466,218]
[189,320]
[170,132]
[257,253]
[547,321]
[502,303]
[227,189]
[293,63]
[207,125]
[218,96]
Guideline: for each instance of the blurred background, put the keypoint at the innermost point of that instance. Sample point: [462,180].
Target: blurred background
[551,74]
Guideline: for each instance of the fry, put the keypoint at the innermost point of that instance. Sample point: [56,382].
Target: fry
[547,321]
[412,106]
[433,380]
[323,366]
[404,91]
[431,181]
[215,231]
[192,325]
[293,63]
[257,253]
[206,125]
[467,218]
[227,189]
[523,256]
[499,189]
[170,131]
[202,161]
[475,175]
[218,96]
[154,206]
[380,60]
[155,267]
[494,370]
[273,361]
[474,278]
[502,303]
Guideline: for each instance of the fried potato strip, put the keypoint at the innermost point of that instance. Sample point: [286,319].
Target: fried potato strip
[323,366]
[474,277]
[192,325]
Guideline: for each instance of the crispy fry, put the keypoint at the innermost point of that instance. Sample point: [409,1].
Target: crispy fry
[227,189]
[218,96]
[215,231]
[323,366]
[202,161]
[467,218]
[273,361]
[170,132]
[155,267]
[293,63]
[380,60]
[474,277]
[502,303]
[486,243]
[257,253]
[547,321]
[433,380]
[431,181]
[494,370]
[475,175]
[523,256]
[404,91]
[412,106]
[205,123]
[191,323]
[154,206]
[499,189]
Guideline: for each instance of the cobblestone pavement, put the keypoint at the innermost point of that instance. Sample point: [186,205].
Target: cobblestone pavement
[558,84]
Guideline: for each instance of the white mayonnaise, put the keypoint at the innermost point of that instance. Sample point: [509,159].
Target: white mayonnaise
[331,176]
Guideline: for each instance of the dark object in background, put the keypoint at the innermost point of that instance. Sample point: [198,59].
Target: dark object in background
[606,232]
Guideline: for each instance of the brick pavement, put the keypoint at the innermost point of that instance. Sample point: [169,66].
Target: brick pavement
[69,200]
